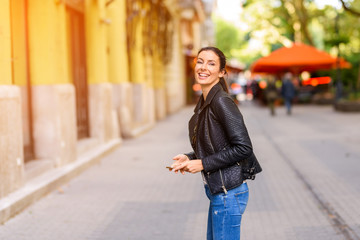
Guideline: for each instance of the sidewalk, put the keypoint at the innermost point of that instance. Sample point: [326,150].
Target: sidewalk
[308,188]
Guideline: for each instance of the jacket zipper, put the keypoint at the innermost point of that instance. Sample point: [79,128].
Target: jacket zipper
[222,181]
[221,177]
[194,142]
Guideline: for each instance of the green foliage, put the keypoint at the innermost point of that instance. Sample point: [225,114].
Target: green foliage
[227,37]
[336,40]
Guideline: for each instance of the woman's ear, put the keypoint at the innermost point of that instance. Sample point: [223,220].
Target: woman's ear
[222,73]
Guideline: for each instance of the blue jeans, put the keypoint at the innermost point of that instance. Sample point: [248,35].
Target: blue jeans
[225,212]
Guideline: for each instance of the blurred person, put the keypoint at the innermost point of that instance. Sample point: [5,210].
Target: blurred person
[222,150]
[288,91]
[254,86]
[271,94]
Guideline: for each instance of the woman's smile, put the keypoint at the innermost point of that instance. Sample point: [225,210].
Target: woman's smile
[203,76]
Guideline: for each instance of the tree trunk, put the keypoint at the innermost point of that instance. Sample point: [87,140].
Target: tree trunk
[297,13]
[303,17]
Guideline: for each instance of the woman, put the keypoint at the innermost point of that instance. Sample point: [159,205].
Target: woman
[222,148]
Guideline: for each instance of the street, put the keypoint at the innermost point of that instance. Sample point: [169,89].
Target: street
[309,188]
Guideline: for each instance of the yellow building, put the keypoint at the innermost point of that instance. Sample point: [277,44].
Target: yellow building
[79,74]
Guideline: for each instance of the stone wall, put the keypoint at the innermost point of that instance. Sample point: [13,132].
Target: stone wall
[11,140]
[104,125]
[54,123]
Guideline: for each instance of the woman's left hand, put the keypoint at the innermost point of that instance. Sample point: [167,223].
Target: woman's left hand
[194,166]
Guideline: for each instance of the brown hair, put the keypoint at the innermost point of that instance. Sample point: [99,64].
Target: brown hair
[222,58]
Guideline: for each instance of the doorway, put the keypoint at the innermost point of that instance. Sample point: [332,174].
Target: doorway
[77,66]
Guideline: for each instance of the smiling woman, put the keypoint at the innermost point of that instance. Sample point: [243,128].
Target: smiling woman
[222,150]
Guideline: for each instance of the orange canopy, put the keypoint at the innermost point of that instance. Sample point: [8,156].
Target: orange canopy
[297,58]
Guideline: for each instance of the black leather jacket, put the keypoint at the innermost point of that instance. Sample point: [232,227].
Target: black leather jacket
[220,139]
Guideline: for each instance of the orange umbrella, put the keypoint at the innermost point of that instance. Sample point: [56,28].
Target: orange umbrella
[297,58]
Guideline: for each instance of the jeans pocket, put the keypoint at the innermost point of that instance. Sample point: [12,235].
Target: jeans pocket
[242,200]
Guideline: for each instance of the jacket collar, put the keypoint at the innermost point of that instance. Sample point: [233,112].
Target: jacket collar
[201,104]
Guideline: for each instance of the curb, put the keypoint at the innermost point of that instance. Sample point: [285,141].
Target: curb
[51,180]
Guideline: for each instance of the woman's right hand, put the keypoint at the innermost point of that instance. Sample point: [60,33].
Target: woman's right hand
[179,164]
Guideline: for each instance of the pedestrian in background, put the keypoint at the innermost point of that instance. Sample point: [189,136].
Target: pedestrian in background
[288,91]
[223,151]
[271,94]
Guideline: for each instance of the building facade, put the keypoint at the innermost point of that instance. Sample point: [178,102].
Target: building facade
[76,74]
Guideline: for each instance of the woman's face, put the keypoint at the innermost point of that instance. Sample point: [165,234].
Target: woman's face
[207,69]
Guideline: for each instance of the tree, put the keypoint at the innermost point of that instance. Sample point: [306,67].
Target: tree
[356,13]
[299,18]
[347,8]
[227,37]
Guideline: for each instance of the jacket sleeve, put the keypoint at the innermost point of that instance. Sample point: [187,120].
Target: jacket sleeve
[190,155]
[239,145]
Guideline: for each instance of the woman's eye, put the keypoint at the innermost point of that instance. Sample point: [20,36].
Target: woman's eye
[199,62]
[212,64]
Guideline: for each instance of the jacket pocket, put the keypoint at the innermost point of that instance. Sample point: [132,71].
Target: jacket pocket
[233,176]
[224,179]
[213,181]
